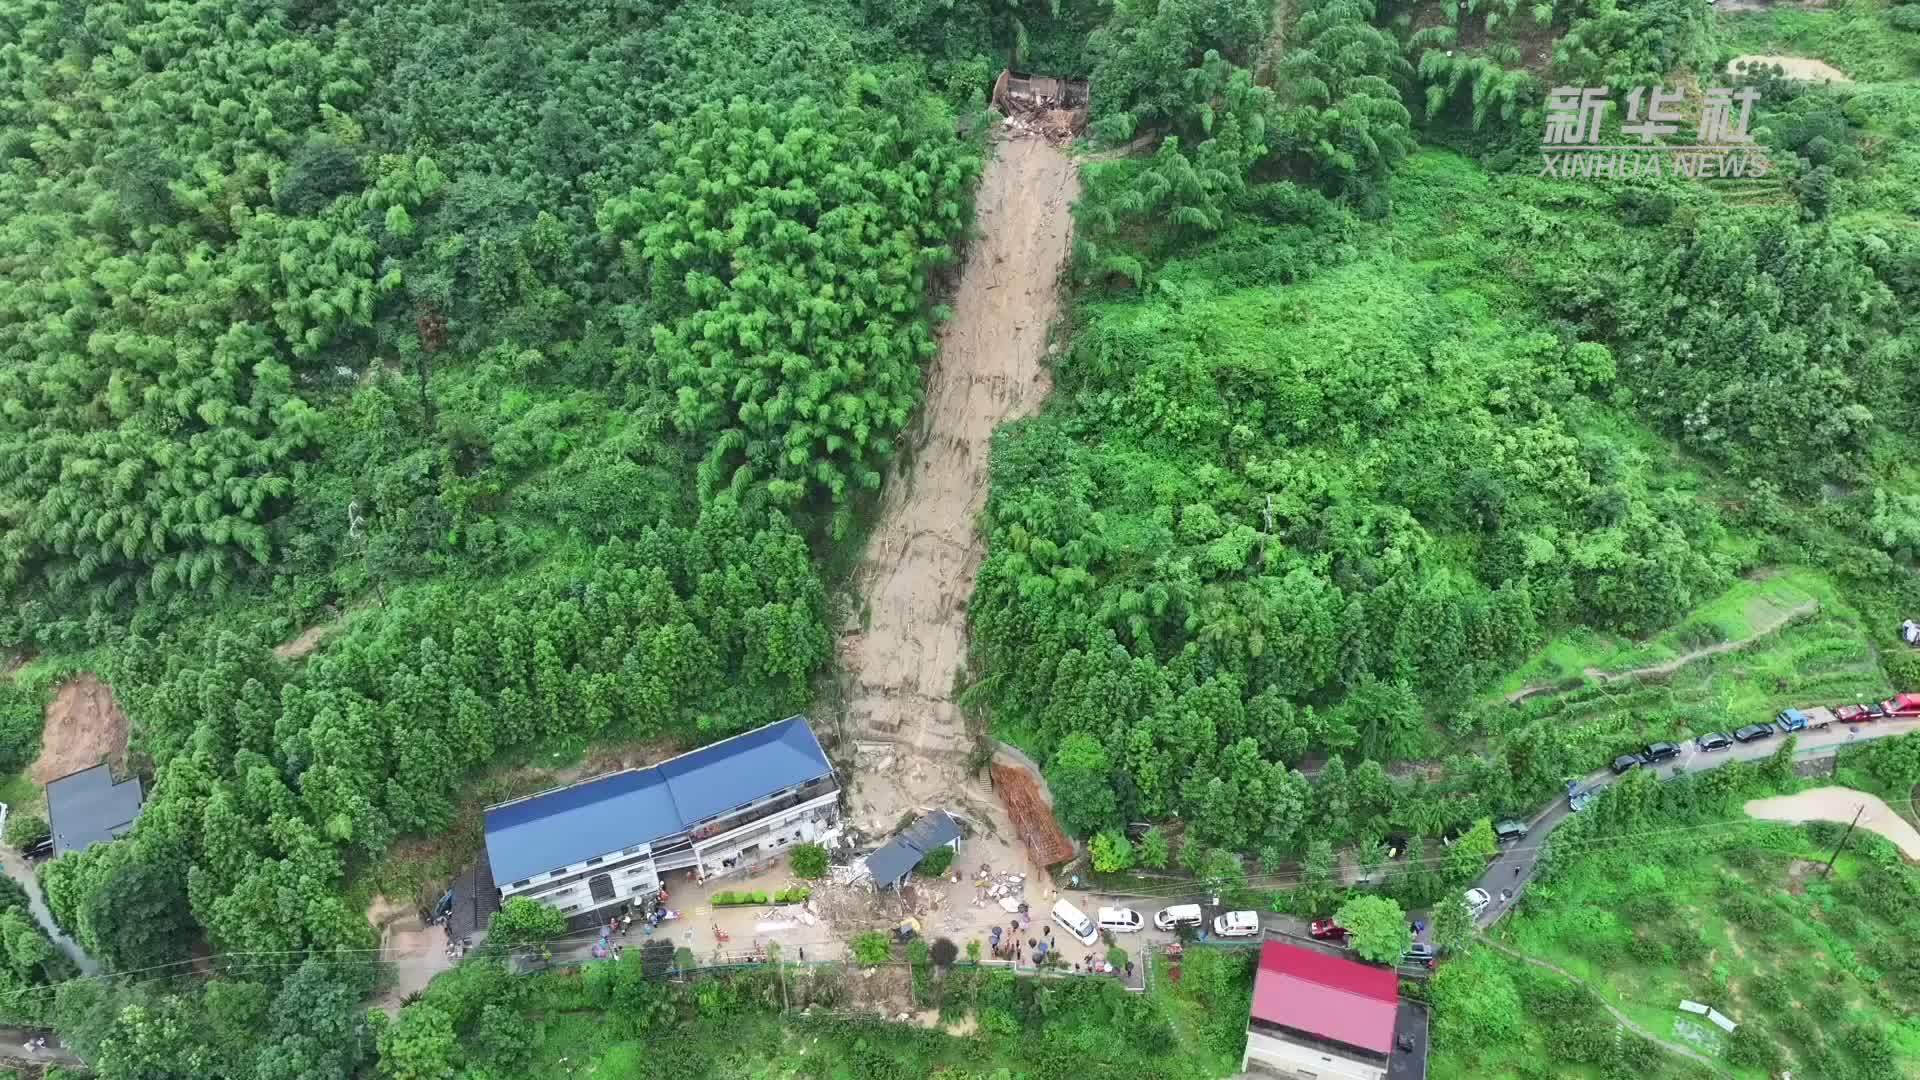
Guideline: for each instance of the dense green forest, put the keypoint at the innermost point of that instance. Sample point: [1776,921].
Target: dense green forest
[563,351]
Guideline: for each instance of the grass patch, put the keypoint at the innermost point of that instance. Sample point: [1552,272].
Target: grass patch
[1735,914]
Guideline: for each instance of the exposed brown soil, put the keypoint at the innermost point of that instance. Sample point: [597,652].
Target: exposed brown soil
[1796,67]
[313,636]
[920,564]
[1838,804]
[85,726]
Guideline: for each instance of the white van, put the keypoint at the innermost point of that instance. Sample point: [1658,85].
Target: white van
[1121,920]
[1075,922]
[1178,915]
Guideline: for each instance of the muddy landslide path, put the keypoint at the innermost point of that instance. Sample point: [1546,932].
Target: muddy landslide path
[920,563]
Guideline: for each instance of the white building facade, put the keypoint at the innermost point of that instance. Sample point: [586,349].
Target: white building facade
[609,842]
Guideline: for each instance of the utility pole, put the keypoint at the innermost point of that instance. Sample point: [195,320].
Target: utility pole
[1843,841]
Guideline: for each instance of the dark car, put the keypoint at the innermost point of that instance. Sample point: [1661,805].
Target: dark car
[1627,761]
[1661,751]
[1420,954]
[1509,831]
[1754,732]
[1713,740]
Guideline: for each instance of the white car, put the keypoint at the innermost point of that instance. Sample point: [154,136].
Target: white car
[1178,915]
[1120,920]
[1477,901]
[1237,924]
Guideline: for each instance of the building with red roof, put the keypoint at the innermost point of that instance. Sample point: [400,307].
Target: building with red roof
[1319,1017]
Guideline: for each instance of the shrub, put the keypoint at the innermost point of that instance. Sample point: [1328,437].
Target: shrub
[945,952]
[871,949]
[25,830]
[809,861]
[521,921]
[1153,850]
[936,862]
[738,899]
[1112,853]
[1905,18]
[796,895]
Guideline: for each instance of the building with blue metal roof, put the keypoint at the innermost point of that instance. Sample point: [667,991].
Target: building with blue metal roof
[610,841]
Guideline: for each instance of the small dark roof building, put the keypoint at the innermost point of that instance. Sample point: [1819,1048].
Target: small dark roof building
[86,808]
[638,806]
[891,864]
[1322,1016]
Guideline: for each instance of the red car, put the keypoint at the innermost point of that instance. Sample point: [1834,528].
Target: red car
[1327,930]
[1902,705]
[1859,714]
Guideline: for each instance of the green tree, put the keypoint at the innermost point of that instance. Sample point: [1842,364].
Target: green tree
[521,921]
[25,829]
[1467,858]
[1080,776]
[1452,926]
[1378,928]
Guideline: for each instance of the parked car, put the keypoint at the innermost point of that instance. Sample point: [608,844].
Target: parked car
[1327,930]
[1169,918]
[1901,705]
[1509,831]
[1420,954]
[1713,740]
[1754,733]
[1791,720]
[1477,901]
[1859,714]
[1662,751]
[1237,924]
[1120,920]
[1625,762]
[1577,796]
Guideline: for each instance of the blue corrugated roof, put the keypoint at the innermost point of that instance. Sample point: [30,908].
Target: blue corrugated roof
[891,863]
[717,778]
[637,806]
[86,808]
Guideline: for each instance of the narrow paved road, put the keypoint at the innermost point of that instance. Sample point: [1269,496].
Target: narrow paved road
[1513,867]
[17,869]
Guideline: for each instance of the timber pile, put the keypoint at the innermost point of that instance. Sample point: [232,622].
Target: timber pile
[1032,818]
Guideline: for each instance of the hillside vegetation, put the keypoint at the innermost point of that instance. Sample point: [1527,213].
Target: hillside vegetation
[560,353]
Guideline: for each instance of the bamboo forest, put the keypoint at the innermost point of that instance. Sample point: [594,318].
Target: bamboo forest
[1286,458]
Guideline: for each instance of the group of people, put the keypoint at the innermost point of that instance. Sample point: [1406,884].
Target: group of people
[1010,947]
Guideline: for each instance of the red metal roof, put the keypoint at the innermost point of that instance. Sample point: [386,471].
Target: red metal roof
[1327,996]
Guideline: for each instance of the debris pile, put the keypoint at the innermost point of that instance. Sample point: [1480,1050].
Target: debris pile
[1055,109]
[1032,818]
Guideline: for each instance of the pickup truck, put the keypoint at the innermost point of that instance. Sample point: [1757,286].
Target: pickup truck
[1815,717]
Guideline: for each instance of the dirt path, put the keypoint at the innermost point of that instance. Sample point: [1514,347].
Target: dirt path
[924,553]
[1761,628]
[310,638]
[1672,1048]
[1840,804]
[85,726]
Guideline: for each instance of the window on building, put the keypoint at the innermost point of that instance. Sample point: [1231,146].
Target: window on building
[570,909]
[521,884]
[556,873]
[634,850]
[595,861]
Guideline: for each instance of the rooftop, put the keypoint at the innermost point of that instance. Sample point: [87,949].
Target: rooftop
[635,806]
[86,808]
[1328,996]
[904,852]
